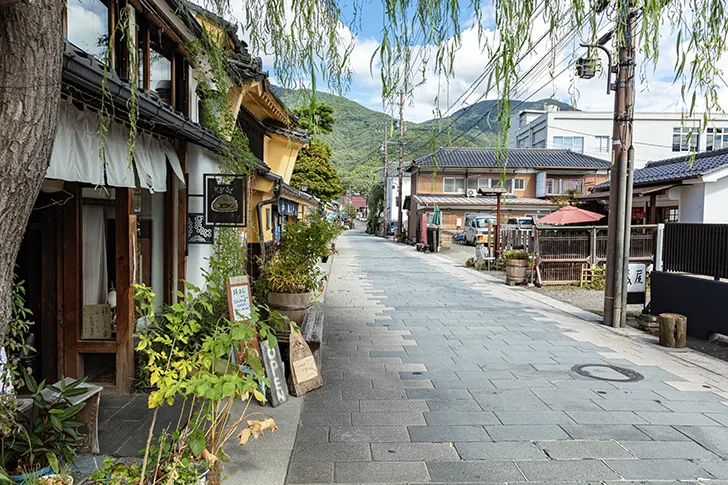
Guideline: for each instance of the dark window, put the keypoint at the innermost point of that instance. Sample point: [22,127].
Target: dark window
[88,26]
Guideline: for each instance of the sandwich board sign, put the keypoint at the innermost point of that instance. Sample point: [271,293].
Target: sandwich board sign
[240,307]
[275,372]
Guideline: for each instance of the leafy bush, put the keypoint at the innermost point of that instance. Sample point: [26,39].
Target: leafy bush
[515,255]
[16,344]
[294,267]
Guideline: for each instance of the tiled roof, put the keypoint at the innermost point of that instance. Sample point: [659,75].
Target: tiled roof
[681,168]
[461,200]
[516,158]
[275,126]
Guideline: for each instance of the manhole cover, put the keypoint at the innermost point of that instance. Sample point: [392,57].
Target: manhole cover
[605,372]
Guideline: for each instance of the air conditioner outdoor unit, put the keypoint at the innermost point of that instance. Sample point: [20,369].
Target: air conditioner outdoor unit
[472,193]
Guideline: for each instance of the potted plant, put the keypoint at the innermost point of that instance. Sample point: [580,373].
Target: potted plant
[292,274]
[37,442]
[516,266]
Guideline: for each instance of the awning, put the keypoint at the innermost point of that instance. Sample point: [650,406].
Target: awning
[77,154]
[636,192]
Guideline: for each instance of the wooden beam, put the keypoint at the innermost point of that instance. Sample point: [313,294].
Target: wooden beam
[72,287]
[97,346]
[125,279]
[49,317]
[169,247]
[147,56]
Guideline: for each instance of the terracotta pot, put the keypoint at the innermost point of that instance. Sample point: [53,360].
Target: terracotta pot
[516,271]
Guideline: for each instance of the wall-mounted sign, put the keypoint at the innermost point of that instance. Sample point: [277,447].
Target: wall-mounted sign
[638,213]
[224,199]
[636,283]
[197,231]
[287,207]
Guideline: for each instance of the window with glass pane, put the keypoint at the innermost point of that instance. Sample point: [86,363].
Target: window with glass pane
[88,26]
[684,140]
[519,184]
[716,139]
[453,185]
[472,183]
[573,143]
[602,144]
[558,142]
[160,65]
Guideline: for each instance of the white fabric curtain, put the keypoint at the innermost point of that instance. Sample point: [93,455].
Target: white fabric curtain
[95,279]
[119,172]
[173,160]
[150,163]
[75,155]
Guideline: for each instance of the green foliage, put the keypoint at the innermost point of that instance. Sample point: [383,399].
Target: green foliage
[598,280]
[375,206]
[350,210]
[294,267]
[318,119]
[515,254]
[314,169]
[15,340]
[49,434]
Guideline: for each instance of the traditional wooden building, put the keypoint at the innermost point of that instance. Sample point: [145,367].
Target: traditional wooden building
[107,217]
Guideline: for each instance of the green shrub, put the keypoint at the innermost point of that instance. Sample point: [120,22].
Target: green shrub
[515,255]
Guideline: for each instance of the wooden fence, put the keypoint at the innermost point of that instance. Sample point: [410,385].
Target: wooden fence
[700,249]
[564,251]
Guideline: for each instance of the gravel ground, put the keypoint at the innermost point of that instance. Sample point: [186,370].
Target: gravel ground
[589,300]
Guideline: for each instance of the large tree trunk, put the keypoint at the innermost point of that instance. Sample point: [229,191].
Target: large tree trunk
[31,39]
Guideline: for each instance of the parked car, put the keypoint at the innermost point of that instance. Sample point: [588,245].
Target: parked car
[393,228]
[521,222]
[477,224]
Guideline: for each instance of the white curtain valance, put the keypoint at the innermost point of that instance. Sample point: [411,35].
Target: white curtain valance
[76,156]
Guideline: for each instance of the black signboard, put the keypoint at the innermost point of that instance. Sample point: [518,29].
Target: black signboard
[287,207]
[224,200]
[197,231]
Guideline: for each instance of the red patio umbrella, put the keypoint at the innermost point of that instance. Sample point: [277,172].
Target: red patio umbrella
[570,215]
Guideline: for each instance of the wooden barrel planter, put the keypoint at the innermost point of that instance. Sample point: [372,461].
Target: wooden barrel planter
[292,305]
[516,271]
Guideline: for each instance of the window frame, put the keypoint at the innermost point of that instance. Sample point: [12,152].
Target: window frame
[601,146]
[455,186]
[516,184]
[563,185]
[571,146]
[712,134]
[688,139]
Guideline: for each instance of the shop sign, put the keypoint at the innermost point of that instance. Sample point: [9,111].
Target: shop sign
[636,283]
[197,231]
[224,199]
[638,213]
[287,207]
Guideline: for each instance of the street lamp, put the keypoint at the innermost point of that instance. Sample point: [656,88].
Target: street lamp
[498,191]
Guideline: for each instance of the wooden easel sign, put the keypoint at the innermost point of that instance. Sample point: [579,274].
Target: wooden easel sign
[274,371]
[240,304]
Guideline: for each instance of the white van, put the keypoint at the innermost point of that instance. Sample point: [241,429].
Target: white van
[477,224]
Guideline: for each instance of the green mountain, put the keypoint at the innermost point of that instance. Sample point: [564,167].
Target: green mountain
[358,132]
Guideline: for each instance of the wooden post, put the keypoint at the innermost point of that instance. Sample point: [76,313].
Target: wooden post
[652,217]
[72,365]
[182,220]
[125,279]
[673,330]
[497,227]
[593,242]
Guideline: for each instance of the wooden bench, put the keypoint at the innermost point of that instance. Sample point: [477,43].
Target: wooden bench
[312,331]
[90,412]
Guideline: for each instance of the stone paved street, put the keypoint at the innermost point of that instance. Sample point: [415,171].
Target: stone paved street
[434,374]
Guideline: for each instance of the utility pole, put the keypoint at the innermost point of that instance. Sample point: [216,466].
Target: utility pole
[620,187]
[385,185]
[400,141]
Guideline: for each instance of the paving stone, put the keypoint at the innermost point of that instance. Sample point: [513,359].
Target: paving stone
[464,418]
[631,405]
[389,418]
[657,469]
[504,450]
[584,449]
[460,405]
[714,438]
[414,452]
[689,396]
[696,406]
[374,394]
[475,472]
[526,432]
[368,434]
[605,432]
[523,384]
[509,400]
[439,394]
[566,471]
[533,417]
[319,472]
[719,469]
[462,384]
[718,418]
[684,419]
[335,406]
[380,472]
[381,405]
[688,450]
[315,452]
[312,434]
[606,417]
[445,433]
[326,419]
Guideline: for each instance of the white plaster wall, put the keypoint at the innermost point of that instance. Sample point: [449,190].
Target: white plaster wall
[716,201]
[200,161]
[393,193]
[652,132]
[692,202]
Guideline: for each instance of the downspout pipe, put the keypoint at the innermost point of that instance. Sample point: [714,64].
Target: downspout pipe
[277,180]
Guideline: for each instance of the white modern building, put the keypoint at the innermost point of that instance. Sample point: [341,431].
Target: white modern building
[657,136]
[392,199]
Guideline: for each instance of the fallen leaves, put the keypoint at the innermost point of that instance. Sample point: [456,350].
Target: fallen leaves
[256,429]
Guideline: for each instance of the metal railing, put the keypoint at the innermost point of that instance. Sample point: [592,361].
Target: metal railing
[700,249]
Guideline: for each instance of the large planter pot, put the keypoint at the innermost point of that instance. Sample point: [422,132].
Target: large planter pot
[291,305]
[516,271]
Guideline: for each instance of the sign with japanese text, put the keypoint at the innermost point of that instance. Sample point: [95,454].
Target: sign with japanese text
[287,207]
[224,200]
[636,283]
[638,213]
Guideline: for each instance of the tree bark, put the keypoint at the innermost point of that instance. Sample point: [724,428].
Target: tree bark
[31,40]
[673,330]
